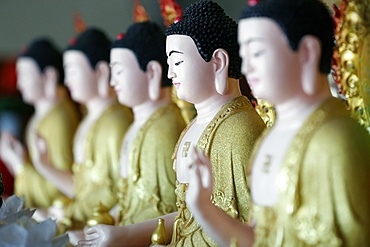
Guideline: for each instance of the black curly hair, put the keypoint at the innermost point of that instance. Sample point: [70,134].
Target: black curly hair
[210,28]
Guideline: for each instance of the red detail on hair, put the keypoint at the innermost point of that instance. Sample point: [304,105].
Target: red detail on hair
[120,36]
[72,41]
[252,2]
[177,19]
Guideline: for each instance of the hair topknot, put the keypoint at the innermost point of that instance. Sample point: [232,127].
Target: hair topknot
[210,28]
[298,18]
[148,42]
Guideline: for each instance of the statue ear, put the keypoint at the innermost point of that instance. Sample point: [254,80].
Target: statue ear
[220,59]
[51,82]
[154,76]
[102,73]
[309,54]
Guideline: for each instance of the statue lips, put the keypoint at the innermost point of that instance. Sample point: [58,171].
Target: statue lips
[117,89]
[176,84]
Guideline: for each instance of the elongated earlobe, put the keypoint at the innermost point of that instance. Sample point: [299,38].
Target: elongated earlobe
[51,82]
[102,76]
[310,53]
[221,61]
[154,75]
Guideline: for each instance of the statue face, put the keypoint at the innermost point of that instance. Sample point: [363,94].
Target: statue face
[127,78]
[29,80]
[79,77]
[192,77]
[271,67]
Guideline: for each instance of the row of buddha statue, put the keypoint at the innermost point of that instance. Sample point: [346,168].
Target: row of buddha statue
[134,172]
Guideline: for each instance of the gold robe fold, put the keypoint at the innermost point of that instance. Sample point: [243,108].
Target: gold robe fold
[150,188]
[324,183]
[57,128]
[96,179]
[228,141]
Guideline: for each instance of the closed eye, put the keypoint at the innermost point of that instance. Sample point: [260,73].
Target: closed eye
[259,53]
[178,63]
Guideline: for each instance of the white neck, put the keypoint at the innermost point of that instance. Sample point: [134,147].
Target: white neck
[292,111]
[144,111]
[97,105]
[43,106]
[207,109]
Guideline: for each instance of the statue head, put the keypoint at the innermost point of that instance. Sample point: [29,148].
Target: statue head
[297,19]
[86,65]
[39,70]
[207,24]
[148,43]
[286,47]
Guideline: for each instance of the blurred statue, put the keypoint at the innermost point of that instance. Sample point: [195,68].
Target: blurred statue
[139,69]
[204,66]
[99,136]
[39,78]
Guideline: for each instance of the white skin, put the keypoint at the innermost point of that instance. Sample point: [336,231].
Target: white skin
[89,87]
[139,90]
[82,82]
[38,88]
[290,80]
[207,86]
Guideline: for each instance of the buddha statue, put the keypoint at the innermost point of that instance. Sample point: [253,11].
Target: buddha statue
[139,69]
[99,136]
[310,171]
[40,81]
[204,66]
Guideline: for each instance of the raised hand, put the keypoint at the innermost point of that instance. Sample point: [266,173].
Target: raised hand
[12,152]
[201,181]
[42,158]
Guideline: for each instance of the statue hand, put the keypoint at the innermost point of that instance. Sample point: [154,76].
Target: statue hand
[75,236]
[102,236]
[12,152]
[56,213]
[42,153]
[200,184]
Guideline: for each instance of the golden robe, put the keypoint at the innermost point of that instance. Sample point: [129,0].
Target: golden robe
[96,179]
[324,185]
[228,140]
[57,128]
[151,183]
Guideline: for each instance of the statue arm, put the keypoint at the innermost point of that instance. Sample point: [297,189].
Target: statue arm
[132,235]
[220,226]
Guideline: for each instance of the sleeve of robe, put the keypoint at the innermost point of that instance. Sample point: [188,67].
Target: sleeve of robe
[58,129]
